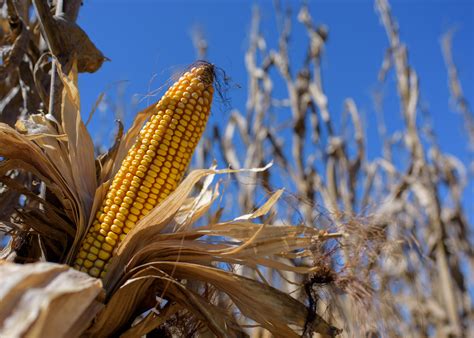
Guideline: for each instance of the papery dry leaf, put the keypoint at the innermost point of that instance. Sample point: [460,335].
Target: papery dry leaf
[76,42]
[158,219]
[62,156]
[106,161]
[148,281]
[152,321]
[80,150]
[46,300]
[122,307]
[22,153]
[270,307]
[195,207]
[264,209]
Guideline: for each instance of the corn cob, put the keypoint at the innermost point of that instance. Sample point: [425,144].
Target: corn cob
[152,168]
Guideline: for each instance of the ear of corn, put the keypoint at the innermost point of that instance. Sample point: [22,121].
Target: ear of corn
[152,168]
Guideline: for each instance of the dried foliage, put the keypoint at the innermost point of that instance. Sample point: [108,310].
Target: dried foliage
[47,300]
[384,259]
[407,259]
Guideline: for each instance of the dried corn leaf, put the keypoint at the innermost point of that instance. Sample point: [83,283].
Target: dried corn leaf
[46,300]
[156,221]
[128,298]
[264,209]
[195,207]
[152,321]
[74,41]
[80,144]
[136,290]
[273,309]
[60,155]
[27,155]
[80,151]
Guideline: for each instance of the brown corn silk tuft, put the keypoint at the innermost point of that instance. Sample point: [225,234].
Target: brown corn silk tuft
[152,168]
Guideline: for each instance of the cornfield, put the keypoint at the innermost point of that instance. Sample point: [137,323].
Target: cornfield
[271,230]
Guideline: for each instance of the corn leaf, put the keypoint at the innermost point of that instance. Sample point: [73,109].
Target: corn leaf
[46,300]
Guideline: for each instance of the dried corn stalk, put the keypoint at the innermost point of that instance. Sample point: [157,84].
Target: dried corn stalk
[411,194]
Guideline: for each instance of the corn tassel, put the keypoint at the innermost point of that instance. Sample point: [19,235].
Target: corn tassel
[152,168]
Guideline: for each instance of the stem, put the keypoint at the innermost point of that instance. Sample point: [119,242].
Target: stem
[53,41]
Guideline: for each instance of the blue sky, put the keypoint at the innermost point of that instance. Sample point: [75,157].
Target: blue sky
[148,40]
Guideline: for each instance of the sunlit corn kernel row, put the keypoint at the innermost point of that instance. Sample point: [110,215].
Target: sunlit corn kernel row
[152,169]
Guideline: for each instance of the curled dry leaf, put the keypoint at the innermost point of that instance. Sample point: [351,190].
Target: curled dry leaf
[76,42]
[46,300]
[60,155]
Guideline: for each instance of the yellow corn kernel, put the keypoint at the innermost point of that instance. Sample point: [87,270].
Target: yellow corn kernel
[107,247]
[110,241]
[99,263]
[94,272]
[104,255]
[116,229]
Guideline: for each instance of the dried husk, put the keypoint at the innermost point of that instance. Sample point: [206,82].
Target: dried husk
[46,300]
